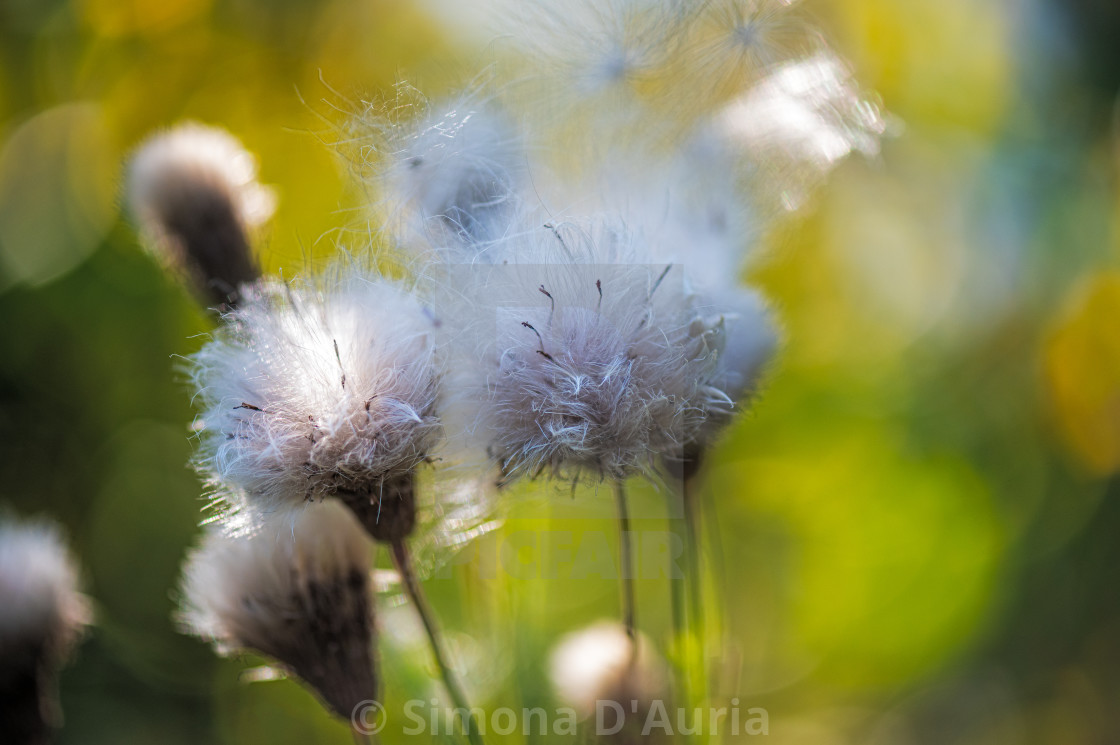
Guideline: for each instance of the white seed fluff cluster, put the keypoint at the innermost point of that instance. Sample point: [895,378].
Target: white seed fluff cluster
[749,342]
[191,163]
[308,392]
[453,172]
[195,193]
[600,663]
[664,134]
[596,47]
[576,306]
[297,591]
[42,611]
[577,357]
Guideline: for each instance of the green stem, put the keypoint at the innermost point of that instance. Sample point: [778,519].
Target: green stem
[626,556]
[403,562]
[692,550]
[362,738]
[697,655]
[677,586]
[681,642]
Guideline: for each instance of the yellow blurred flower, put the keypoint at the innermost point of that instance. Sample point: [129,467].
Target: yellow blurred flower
[125,17]
[944,62]
[1083,372]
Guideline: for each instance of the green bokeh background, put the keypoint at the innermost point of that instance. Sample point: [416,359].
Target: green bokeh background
[917,534]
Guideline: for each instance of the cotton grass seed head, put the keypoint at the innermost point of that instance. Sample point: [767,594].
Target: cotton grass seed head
[195,192]
[297,591]
[42,616]
[310,393]
[588,48]
[571,357]
[453,171]
[41,609]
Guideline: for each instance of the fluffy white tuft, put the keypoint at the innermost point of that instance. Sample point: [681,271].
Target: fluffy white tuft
[595,47]
[306,392]
[173,169]
[731,43]
[570,356]
[195,192]
[456,171]
[41,609]
[297,591]
[798,122]
[749,340]
[599,663]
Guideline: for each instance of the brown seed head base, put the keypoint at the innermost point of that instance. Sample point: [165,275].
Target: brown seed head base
[388,513]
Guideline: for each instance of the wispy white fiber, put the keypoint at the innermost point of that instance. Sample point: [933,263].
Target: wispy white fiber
[448,172]
[306,391]
[749,339]
[798,122]
[593,47]
[732,43]
[574,355]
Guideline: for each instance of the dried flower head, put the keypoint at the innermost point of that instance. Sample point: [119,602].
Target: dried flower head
[453,171]
[42,616]
[194,190]
[575,358]
[298,591]
[600,665]
[310,394]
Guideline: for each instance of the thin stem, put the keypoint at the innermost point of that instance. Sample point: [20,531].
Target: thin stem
[362,738]
[626,556]
[403,562]
[681,641]
[677,587]
[696,669]
[692,549]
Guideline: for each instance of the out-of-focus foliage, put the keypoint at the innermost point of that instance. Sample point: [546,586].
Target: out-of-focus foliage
[916,533]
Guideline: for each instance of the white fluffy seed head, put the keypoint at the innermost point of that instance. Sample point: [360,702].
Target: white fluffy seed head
[689,204]
[599,663]
[460,171]
[569,357]
[590,48]
[797,123]
[749,340]
[195,192]
[731,43]
[175,166]
[306,392]
[692,213]
[448,173]
[42,613]
[297,591]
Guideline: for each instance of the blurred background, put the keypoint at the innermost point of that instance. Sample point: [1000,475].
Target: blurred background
[918,523]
